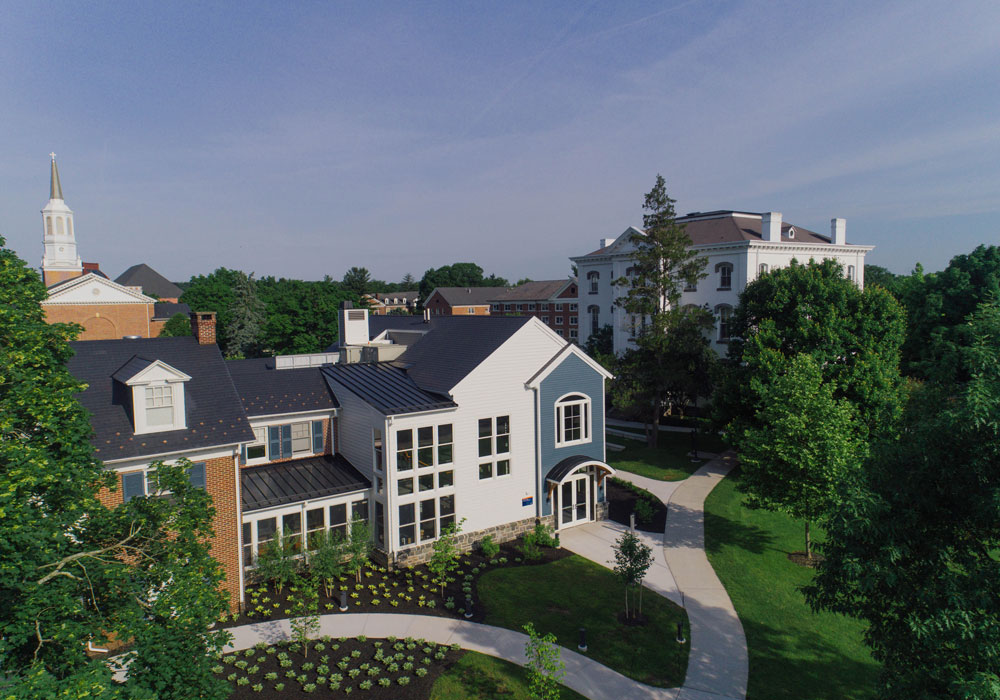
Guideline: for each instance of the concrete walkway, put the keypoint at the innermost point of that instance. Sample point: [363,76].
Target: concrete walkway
[718,661]
[584,675]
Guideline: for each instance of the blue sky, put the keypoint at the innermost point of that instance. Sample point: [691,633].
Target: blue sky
[299,139]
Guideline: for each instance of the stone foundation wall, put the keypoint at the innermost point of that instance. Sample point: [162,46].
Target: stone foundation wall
[601,511]
[467,540]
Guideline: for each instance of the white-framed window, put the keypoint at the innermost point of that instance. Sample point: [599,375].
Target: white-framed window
[425,519]
[725,271]
[507,307]
[319,517]
[143,482]
[560,332]
[725,314]
[572,307]
[159,405]
[572,420]
[434,446]
[543,307]
[284,441]
[256,451]
[573,333]
[531,307]
[494,447]
[595,318]
[762,269]
[573,320]
[545,320]
[377,449]
[594,278]
[301,438]
[850,273]
[559,307]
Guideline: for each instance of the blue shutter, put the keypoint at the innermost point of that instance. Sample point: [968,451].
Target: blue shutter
[274,442]
[317,436]
[286,440]
[133,485]
[243,454]
[196,475]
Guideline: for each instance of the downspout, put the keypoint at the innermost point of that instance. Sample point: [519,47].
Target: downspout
[239,528]
[539,495]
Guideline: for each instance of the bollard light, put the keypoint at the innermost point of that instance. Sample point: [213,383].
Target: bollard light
[680,633]
[582,646]
[468,607]
[694,445]
[343,601]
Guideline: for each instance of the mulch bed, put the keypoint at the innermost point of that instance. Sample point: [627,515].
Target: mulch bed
[621,504]
[801,559]
[335,665]
[406,590]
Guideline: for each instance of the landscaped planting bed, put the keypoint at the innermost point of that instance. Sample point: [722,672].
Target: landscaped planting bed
[625,498]
[386,669]
[401,590]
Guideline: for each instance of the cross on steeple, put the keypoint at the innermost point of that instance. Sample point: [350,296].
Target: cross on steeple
[53,155]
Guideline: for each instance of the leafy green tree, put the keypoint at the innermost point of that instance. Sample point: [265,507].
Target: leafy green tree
[801,446]
[855,337]
[408,283]
[878,276]
[176,326]
[358,281]
[601,346]
[545,667]
[327,563]
[444,558]
[277,563]
[912,549]
[672,362]
[215,292]
[302,317]
[632,560]
[74,570]
[246,316]
[304,600]
[359,548]
[458,275]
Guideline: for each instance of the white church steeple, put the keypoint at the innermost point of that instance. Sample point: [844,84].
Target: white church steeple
[60,261]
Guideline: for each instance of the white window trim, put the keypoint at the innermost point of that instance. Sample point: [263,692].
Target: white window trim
[586,424]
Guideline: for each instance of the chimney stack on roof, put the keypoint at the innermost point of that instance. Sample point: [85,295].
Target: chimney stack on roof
[605,242]
[203,327]
[838,231]
[770,226]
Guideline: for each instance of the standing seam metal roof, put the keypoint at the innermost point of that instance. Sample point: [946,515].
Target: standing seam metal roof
[385,387]
[298,480]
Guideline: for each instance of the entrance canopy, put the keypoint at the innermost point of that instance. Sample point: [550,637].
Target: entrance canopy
[571,465]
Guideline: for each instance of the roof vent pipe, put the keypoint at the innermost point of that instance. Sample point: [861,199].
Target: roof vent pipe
[838,231]
[427,315]
[770,226]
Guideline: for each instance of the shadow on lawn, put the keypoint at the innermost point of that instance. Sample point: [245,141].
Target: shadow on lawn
[786,664]
[726,532]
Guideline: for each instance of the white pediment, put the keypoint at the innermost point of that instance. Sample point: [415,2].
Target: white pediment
[158,371]
[623,244]
[94,289]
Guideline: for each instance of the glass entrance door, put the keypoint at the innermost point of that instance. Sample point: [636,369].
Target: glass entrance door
[574,500]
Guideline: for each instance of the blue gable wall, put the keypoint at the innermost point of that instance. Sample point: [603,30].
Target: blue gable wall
[573,375]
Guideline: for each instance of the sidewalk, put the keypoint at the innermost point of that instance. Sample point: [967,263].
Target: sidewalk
[718,661]
[584,675]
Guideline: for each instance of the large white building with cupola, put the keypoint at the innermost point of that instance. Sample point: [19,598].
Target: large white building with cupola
[738,246]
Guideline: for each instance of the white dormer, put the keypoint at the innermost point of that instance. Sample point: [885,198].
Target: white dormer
[157,395]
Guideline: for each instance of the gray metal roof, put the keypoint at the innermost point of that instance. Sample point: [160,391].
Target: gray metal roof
[298,480]
[267,391]
[565,467]
[385,387]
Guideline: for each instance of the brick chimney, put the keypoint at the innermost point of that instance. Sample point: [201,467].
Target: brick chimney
[203,327]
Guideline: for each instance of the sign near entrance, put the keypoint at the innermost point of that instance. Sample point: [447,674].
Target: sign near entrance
[527,501]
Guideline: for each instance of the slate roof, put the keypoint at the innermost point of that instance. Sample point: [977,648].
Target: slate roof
[403,297]
[131,368]
[455,346]
[532,291]
[265,390]
[215,415]
[468,296]
[300,479]
[151,281]
[165,310]
[728,227]
[385,387]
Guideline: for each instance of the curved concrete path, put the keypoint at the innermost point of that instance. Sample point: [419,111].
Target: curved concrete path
[718,662]
[584,675]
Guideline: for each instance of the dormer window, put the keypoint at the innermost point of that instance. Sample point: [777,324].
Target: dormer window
[157,394]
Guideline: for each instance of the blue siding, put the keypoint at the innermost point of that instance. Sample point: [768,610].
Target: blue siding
[572,376]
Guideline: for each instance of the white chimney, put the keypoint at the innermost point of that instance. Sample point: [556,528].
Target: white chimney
[605,242]
[838,231]
[353,325]
[770,226]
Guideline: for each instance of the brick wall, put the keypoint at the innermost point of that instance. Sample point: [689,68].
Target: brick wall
[104,321]
[220,476]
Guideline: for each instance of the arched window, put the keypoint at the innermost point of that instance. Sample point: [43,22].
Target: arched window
[762,269]
[59,225]
[48,225]
[850,273]
[725,314]
[69,227]
[594,277]
[595,317]
[630,272]
[725,271]
[572,420]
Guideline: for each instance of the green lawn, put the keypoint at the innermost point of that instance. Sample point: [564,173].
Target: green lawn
[563,596]
[480,677]
[794,653]
[669,461]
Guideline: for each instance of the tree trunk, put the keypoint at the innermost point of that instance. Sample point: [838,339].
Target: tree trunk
[655,434]
[809,551]
[626,601]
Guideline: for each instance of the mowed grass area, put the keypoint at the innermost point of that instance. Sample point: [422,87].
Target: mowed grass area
[480,677]
[668,461]
[565,595]
[794,653]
